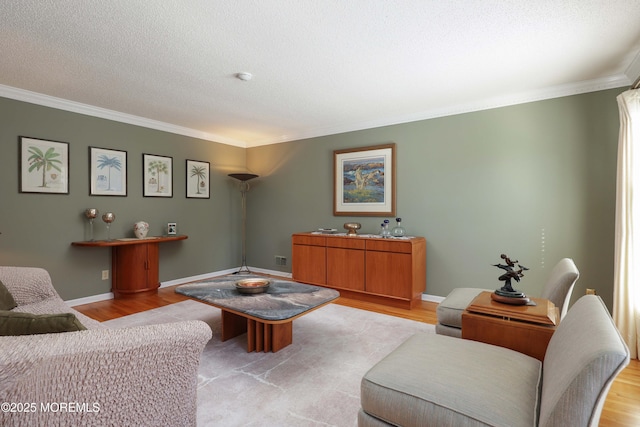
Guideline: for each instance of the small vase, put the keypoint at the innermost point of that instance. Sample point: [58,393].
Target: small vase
[140,229]
[398,230]
[385,233]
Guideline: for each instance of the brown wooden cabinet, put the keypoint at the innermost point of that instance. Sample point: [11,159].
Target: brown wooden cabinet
[135,269]
[523,328]
[387,271]
[134,264]
[310,259]
[345,263]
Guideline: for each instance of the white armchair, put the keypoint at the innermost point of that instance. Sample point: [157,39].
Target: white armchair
[558,290]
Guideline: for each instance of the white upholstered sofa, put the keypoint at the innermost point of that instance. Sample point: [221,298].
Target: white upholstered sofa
[142,376]
[439,380]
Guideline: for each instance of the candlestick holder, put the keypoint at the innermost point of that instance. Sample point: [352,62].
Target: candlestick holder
[108,218]
[91,213]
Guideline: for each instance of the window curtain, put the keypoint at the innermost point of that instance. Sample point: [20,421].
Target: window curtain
[626,289]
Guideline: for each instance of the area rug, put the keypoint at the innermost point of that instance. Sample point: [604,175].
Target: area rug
[313,382]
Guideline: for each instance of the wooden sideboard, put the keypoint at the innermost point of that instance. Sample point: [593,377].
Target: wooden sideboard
[134,263]
[389,271]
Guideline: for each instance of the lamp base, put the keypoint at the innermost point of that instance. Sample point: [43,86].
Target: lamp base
[243,270]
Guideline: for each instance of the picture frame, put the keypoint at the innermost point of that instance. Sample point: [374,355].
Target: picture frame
[157,176]
[44,166]
[107,172]
[172,228]
[364,181]
[197,179]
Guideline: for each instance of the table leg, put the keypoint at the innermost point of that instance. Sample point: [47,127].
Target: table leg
[268,337]
[255,336]
[232,325]
[281,335]
[260,336]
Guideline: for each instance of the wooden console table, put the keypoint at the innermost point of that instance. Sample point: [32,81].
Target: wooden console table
[134,263]
[523,328]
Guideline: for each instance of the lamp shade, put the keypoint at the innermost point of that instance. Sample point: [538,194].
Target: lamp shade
[243,176]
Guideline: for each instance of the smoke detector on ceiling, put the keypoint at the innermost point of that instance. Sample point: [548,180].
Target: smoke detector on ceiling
[245,77]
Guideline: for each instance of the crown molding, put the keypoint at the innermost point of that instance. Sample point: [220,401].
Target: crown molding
[633,70]
[611,82]
[90,110]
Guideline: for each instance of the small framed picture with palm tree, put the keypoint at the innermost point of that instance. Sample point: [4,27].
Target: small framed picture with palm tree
[197,179]
[44,166]
[107,172]
[157,176]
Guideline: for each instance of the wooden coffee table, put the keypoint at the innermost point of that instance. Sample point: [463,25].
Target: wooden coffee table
[266,318]
[523,328]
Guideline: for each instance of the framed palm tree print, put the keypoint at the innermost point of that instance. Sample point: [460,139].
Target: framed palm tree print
[44,166]
[157,176]
[197,179]
[107,172]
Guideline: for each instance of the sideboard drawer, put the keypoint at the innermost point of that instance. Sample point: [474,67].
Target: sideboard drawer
[309,240]
[345,242]
[390,245]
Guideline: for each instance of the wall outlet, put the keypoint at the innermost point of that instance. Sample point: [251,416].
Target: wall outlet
[591,291]
[281,260]
[105,274]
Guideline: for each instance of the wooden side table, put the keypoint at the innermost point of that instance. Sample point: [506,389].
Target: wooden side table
[134,263]
[526,329]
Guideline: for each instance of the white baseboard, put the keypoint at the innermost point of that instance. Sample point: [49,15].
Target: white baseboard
[181,281]
[90,299]
[432,298]
[271,272]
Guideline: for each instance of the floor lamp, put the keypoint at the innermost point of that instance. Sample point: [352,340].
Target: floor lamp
[244,187]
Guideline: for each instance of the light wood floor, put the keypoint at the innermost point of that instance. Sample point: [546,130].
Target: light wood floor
[621,409]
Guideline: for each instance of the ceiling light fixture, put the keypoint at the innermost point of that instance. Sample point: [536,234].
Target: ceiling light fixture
[245,77]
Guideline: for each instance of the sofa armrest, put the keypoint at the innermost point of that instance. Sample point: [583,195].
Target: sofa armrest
[28,285]
[143,375]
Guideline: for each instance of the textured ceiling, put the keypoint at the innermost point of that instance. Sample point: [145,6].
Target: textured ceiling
[320,67]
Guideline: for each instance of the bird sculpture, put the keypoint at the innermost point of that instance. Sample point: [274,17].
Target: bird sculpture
[511,273]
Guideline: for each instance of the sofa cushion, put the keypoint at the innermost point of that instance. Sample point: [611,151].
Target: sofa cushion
[15,323]
[584,355]
[449,311]
[449,381]
[6,299]
[448,330]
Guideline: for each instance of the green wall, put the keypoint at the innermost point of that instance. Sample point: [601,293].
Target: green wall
[535,181]
[37,229]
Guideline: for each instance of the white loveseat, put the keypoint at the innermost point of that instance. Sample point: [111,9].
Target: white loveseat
[143,376]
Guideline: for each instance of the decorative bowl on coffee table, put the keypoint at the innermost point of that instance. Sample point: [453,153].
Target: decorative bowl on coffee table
[252,286]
